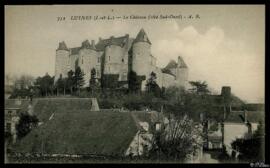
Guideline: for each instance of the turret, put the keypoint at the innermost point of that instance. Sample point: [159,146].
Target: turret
[62,64]
[141,55]
[181,73]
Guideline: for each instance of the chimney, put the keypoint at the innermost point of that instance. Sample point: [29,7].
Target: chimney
[226,94]
[93,42]
[111,37]
[245,115]
[99,38]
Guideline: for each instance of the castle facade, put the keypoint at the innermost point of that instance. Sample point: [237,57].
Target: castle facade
[117,56]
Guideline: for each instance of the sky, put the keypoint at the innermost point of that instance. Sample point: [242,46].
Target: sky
[224,46]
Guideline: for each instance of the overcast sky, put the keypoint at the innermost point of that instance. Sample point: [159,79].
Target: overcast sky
[225,46]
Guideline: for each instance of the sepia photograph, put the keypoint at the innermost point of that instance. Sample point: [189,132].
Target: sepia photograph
[134,84]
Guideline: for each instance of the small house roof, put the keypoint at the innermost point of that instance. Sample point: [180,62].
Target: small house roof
[252,116]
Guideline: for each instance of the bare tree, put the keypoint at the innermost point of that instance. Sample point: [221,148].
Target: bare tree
[179,139]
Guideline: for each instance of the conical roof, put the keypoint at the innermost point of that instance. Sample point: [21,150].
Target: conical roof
[181,63]
[62,46]
[142,37]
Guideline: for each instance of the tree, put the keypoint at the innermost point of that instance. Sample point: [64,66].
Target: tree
[22,86]
[79,78]
[45,84]
[152,86]
[134,82]
[70,82]
[177,141]
[92,82]
[25,124]
[199,87]
[251,149]
[60,84]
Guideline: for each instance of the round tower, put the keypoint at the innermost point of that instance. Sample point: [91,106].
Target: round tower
[62,64]
[181,73]
[141,55]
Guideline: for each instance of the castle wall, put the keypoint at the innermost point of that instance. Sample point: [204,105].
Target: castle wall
[88,59]
[116,61]
[62,64]
[167,80]
[182,77]
[72,59]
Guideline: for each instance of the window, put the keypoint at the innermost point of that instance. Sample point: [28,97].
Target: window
[98,60]
[122,60]
[109,58]
[82,59]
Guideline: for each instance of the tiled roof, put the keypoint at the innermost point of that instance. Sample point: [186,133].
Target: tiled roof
[142,37]
[62,46]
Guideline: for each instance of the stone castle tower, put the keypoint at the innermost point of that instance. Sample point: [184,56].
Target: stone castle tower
[117,56]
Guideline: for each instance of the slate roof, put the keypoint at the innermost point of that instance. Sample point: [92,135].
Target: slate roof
[182,62]
[120,41]
[62,46]
[86,44]
[75,50]
[172,64]
[142,37]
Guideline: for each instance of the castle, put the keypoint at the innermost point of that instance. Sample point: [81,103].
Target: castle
[117,56]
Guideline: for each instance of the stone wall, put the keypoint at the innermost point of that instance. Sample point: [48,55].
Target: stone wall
[88,59]
[182,77]
[62,64]
[73,59]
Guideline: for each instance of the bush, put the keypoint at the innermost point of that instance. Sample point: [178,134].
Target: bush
[26,123]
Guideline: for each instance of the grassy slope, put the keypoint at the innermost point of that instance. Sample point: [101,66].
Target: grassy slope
[74,131]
